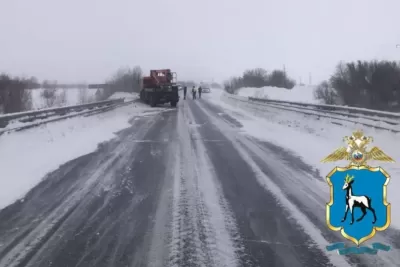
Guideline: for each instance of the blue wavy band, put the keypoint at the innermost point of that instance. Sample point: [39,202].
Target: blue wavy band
[343,250]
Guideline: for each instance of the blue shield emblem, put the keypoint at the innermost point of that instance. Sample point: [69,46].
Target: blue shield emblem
[358,205]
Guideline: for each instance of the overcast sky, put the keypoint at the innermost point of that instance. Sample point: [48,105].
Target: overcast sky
[87,40]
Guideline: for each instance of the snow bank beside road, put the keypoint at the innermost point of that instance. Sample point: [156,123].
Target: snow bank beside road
[26,157]
[302,94]
[127,96]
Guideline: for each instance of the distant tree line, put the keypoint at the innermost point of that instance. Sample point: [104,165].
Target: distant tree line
[259,78]
[14,96]
[368,84]
[16,93]
[124,80]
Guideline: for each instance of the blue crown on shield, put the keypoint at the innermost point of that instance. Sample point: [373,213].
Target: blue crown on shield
[358,206]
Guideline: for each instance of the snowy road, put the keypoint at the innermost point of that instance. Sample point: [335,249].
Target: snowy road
[179,188]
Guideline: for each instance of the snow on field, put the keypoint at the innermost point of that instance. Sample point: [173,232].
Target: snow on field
[313,139]
[46,148]
[72,97]
[127,96]
[303,94]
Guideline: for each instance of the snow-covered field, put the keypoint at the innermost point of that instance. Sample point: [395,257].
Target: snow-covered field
[71,97]
[27,156]
[303,94]
[313,139]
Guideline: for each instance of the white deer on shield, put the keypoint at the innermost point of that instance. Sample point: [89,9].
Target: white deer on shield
[353,201]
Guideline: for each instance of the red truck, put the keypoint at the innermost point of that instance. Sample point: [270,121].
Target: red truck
[160,87]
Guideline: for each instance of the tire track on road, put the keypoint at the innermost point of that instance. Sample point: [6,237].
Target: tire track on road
[304,245]
[200,234]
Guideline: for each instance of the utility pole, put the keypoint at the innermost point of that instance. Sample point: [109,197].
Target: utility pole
[309,78]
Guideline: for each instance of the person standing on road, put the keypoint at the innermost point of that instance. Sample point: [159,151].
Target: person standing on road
[184,92]
[200,89]
[194,92]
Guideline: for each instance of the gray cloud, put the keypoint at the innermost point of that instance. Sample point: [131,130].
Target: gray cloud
[88,40]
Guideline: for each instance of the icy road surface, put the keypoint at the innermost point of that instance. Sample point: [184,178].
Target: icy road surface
[183,187]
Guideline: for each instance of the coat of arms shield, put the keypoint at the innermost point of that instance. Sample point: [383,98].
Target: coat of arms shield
[358,205]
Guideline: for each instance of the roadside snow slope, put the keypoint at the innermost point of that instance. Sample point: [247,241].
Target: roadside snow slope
[303,94]
[27,156]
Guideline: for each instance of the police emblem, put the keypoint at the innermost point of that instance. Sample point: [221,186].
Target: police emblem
[358,207]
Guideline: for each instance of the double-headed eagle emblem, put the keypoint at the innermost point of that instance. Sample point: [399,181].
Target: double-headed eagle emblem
[356,151]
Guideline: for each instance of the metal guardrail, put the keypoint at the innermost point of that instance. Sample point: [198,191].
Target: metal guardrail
[363,111]
[367,117]
[30,116]
[85,113]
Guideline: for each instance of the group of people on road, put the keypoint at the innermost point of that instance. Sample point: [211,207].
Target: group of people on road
[194,92]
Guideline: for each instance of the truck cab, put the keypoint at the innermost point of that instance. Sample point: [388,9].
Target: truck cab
[160,87]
